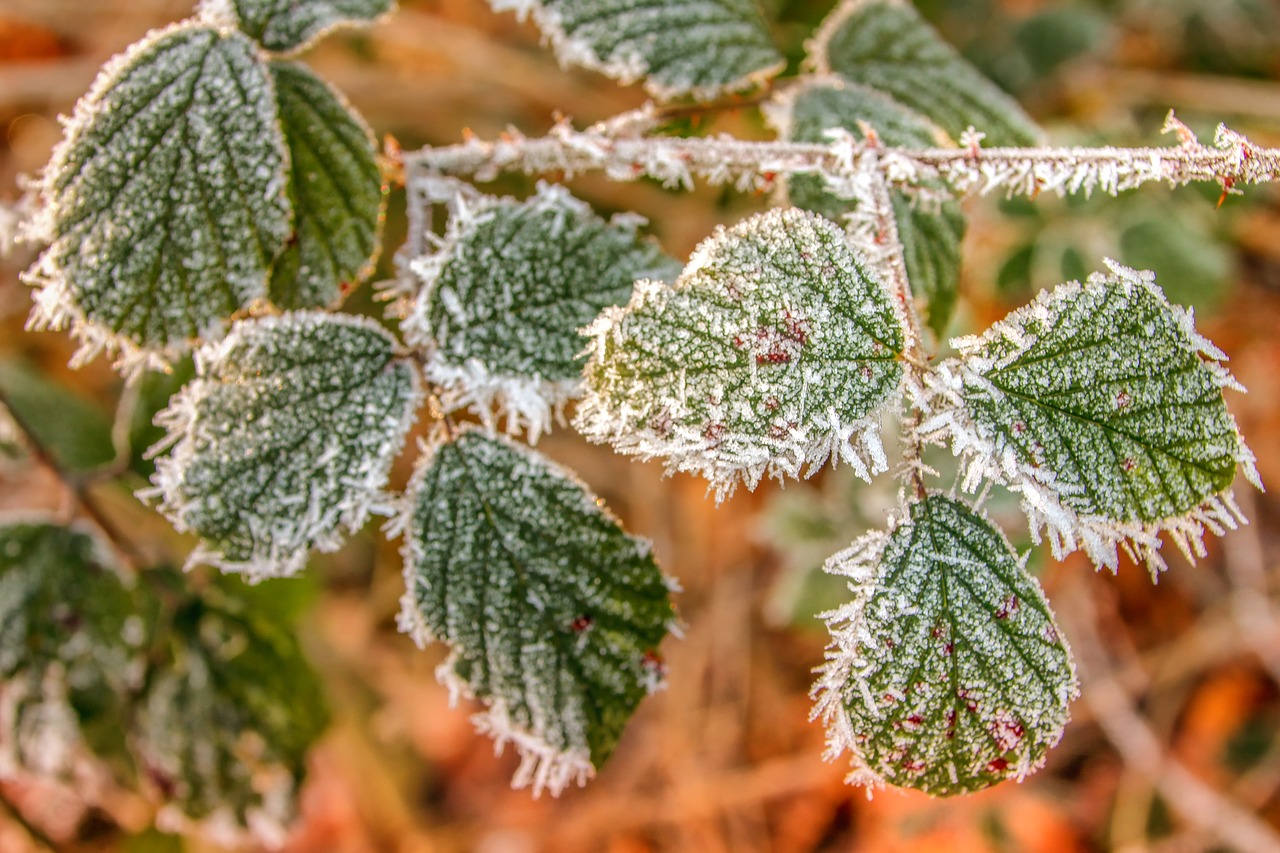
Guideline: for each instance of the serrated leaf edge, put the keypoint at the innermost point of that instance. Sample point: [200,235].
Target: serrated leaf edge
[528,404]
[54,307]
[542,766]
[985,457]
[222,13]
[625,69]
[860,562]
[179,417]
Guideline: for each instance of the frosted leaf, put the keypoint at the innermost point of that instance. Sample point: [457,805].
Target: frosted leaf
[700,48]
[335,189]
[886,45]
[503,298]
[290,25]
[71,649]
[1102,405]
[284,440]
[553,613]
[931,223]
[224,726]
[775,349]
[946,673]
[165,204]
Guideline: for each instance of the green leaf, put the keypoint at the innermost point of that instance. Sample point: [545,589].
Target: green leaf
[699,48]
[503,299]
[335,188]
[947,673]
[290,25]
[931,223]
[285,439]
[1102,405]
[552,611]
[72,642]
[886,45]
[774,350]
[165,205]
[224,727]
[76,432]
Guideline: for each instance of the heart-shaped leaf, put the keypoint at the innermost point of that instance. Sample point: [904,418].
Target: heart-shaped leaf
[700,48]
[776,348]
[284,440]
[886,45]
[165,205]
[335,188]
[1102,405]
[290,25]
[505,295]
[554,614]
[947,673]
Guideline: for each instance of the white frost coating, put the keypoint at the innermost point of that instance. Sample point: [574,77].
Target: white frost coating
[627,62]
[989,456]
[203,429]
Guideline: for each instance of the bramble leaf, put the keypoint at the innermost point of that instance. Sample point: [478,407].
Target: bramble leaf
[775,349]
[165,204]
[335,189]
[72,643]
[886,45]
[290,25]
[947,673]
[931,223]
[503,299]
[700,48]
[553,613]
[225,724]
[1104,407]
[284,440]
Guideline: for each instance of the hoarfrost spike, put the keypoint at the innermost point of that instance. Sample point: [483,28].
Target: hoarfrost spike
[287,26]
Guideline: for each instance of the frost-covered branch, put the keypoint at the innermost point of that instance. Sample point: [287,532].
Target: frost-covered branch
[1232,161]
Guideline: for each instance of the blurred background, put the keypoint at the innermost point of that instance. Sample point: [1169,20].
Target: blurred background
[1177,736]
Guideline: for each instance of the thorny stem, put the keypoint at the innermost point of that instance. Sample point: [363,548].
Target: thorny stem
[77,489]
[753,165]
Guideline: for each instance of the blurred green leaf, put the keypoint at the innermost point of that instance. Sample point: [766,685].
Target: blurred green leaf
[75,431]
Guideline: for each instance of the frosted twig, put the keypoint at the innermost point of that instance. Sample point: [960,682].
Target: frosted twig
[1231,161]
[1201,806]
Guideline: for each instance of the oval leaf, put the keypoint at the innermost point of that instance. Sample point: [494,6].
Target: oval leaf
[165,204]
[886,45]
[284,440]
[503,299]
[776,348]
[947,673]
[1102,405]
[290,25]
[225,724]
[931,223]
[700,48]
[553,613]
[335,188]
[72,648]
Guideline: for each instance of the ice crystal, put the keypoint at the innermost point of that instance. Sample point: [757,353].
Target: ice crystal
[1104,407]
[931,223]
[774,350]
[553,613]
[678,47]
[284,440]
[225,725]
[503,298]
[67,660]
[289,25]
[335,189]
[886,45]
[946,672]
[165,205]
